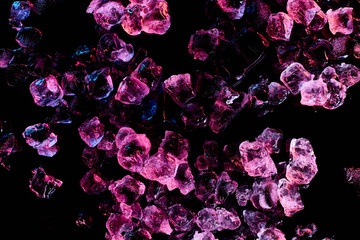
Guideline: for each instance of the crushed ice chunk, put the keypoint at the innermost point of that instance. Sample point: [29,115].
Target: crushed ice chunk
[340,20]
[117,224]
[348,74]
[302,11]
[256,159]
[271,138]
[224,187]
[313,93]
[92,183]
[111,48]
[148,72]
[179,87]
[270,233]
[336,94]
[202,43]
[181,218]
[289,197]
[100,83]
[127,190]
[279,26]
[205,185]
[209,219]
[20,10]
[294,76]
[91,131]
[243,194]
[277,93]
[43,185]
[255,220]
[157,219]
[131,21]
[131,91]
[235,9]
[140,234]
[264,194]
[318,22]
[28,37]
[328,73]
[46,92]
[106,13]
[6,57]
[156,18]
[184,180]
[203,236]
[193,116]
[175,144]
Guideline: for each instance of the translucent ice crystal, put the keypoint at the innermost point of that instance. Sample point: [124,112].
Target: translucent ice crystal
[294,76]
[340,20]
[100,84]
[348,74]
[106,13]
[148,72]
[313,93]
[289,197]
[179,87]
[6,57]
[235,9]
[181,218]
[111,48]
[28,37]
[156,18]
[209,219]
[264,194]
[127,189]
[92,131]
[271,138]
[92,183]
[131,91]
[336,94]
[46,91]
[202,43]
[270,234]
[279,26]
[43,185]
[302,11]
[157,219]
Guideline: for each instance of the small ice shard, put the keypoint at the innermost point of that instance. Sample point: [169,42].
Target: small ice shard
[181,218]
[205,185]
[328,73]
[336,94]
[270,233]
[106,13]
[184,180]
[108,142]
[46,92]
[313,93]
[28,37]
[193,116]
[348,74]
[340,20]
[255,220]
[227,105]
[133,149]
[279,26]
[157,219]
[127,190]
[131,91]
[318,52]
[289,197]
[20,10]
[203,236]
[264,194]
[154,191]
[306,231]
[302,11]
[111,48]
[256,159]
[148,72]
[117,224]
[210,157]
[179,87]
[202,43]
[100,83]
[271,138]
[294,76]
[91,131]
[235,9]
[243,194]
[43,185]
[175,144]
[224,187]
[277,93]
[131,21]
[156,18]
[92,183]
[302,168]
[209,219]
[6,57]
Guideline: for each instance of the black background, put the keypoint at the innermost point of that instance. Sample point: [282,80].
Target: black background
[329,202]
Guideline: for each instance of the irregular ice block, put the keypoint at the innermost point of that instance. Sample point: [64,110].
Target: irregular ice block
[91,131]
[348,74]
[28,37]
[302,11]
[106,13]
[43,185]
[270,233]
[313,93]
[127,190]
[92,183]
[175,144]
[202,43]
[340,20]
[140,234]
[156,18]
[181,218]
[100,83]
[184,180]
[157,219]
[193,116]
[107,143]
[133,151]
[289,197]
[209,219]
[256,159]
[179,87]
[203,236]
[39,136]
[224,187]
[46,92]
[205,185]
[318,22]
[294,76]
[131,21]
[90,157]
[264,194]
[111,48]
[160,167]
[255,220]
[271,138]
[235,9]
[148,72]
[301,148]
[20,10]
[336,94]
[328,73]
[277,93]
[131,91]
[243,194]
[117,224]
[279,26]
[6,57]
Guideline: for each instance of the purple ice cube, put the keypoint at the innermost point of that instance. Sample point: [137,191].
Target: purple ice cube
[148,72]
[328,73]
[302,11]
[202,43]
[205,185]
[6,57]
[131,91]
[100,83]
[193,116]
[203,236]
[348,74]
[264,194]
[28,37]
[294,76]
[279,26]
[318,22]
[111,48]
[209,219]
[271,138]
[224,187]
[184,179]
[20,10]
[289,197]
[235,9]
[179,87]
[243,194]
[157,219]
[43,185]
[46,92]
[313,93]
[175,144]
[336,94]
[132,20]
[156,17]
[108,144]
[117,224]
[255,220]
[127,189]
[106,13]
[277,93]
[91,131]
[256,159]
[92,183]
[160,167]
[181,218]
[270,233]
[340,20]
[227,219]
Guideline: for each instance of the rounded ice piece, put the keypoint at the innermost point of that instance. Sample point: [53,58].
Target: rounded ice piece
[39,136]
[156,19]
[235,9]
[348,74]
[92,183]
[202,43]
[20,10]
[336,94]
[131,91]
[314,93]
[28,37]
[46,91]
[91,131]
[179,87]
[279,26]
[108,13]
[127,189]
[132,20]
[111,48]
[270,234]
[341,20]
